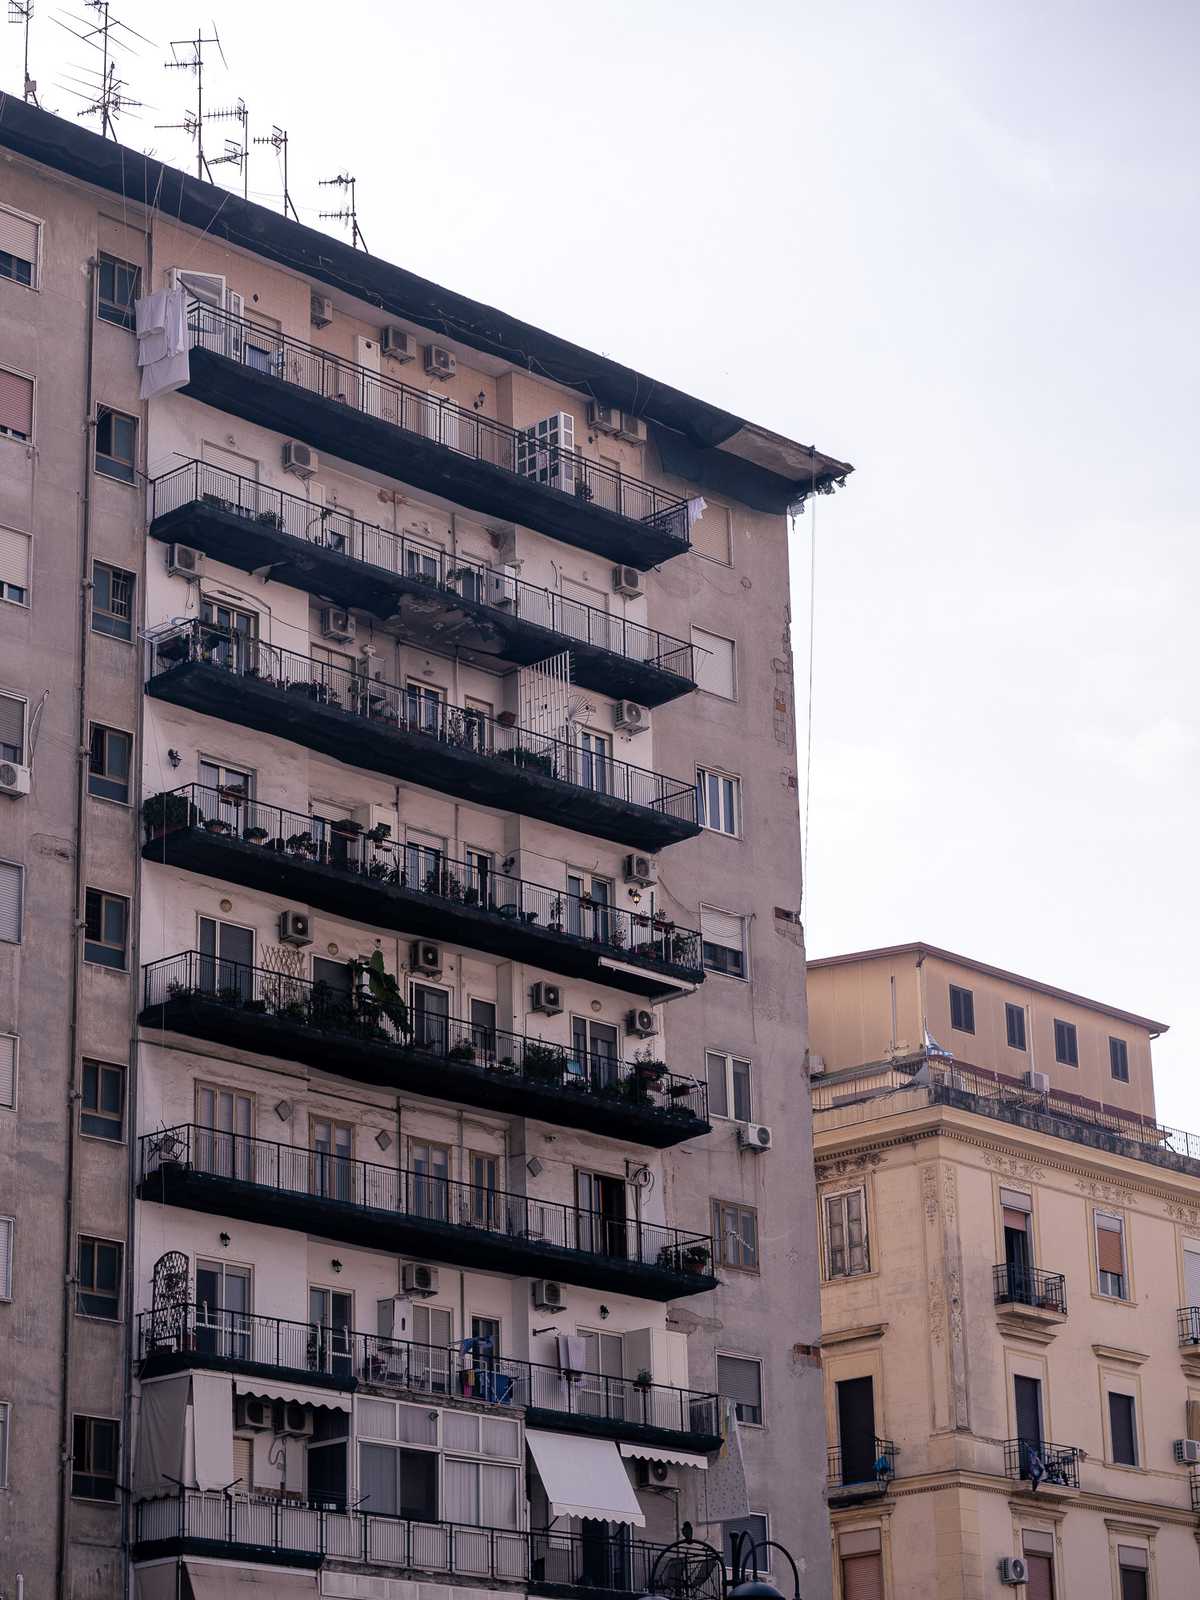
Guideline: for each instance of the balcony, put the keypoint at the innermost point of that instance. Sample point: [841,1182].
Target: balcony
[652,1414]
[341,869]
[446,1058]
[1040,1464]
[382,727]
[451,605]
[1189,1327]
[414,1213]
[1031,1302]
[852,1475]
[448,450]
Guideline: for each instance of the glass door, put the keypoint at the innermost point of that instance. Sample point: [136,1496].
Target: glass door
[430,1018]
[483,1030]
[433,1334]
[430,1181]
[230,794]
[596,1051]
[601,1214]
[331,1316]
[594,761]
[222,1310]
[226,959]
[332,1145]
[232,638]
[602,1386]
[225,1125]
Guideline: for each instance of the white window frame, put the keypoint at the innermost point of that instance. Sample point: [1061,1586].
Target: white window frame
[5,1437]
[703,774]
[39,223]
[744,975]
[1125,1296]
[20,871]
[15,1038]
[826,1201]
[31,379]
[740,1355]
[723,638]
[7,598]
[764,1567]
[729,1057]
[23,702]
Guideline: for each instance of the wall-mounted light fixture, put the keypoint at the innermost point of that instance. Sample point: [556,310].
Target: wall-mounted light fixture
[224,1238]
[336,1264]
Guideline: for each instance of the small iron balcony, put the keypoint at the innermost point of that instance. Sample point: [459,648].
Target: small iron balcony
[386,728]
[852,1473]
[433,599]
[339,868]
[457,453]
[1036,1461]
[438,1219]
[1189,1325]
[1017,1285]
[385,1044]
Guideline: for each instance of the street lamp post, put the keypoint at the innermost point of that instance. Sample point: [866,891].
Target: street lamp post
[700,1566]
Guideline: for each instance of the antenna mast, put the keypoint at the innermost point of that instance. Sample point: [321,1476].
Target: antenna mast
[21,11]
[348,213]
[193,122]
[105,90]
[235,154]
[278,140]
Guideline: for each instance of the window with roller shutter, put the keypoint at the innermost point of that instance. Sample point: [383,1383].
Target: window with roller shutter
[862,1576]
[12,729]
[1040,1584]
[19,240]
[12,882]
[15,551]
[723,942]
[1133,1564]
[16,404]
[1110,1255]
[8,1071]
[7,1230]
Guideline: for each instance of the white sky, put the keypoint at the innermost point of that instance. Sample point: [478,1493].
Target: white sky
[953,243]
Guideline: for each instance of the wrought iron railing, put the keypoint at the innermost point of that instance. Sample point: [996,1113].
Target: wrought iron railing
[465,431]
[343,846]
[516,1058]
[418,1197]
[330,528]
[1015,1284]
[852,1469]
[1189,1324]
[1194,1485]
[1038,1461]
[392,706]
[208,1332]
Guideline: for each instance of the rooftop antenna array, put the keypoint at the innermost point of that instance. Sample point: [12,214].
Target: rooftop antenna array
[193,121]
[21,12]
[104,91]
[278,140]
[237,155]
[347,213]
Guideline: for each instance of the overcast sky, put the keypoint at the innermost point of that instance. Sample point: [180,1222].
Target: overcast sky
[952,243]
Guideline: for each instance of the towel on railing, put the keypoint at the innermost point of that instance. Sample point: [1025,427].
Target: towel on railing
[572,1352]
[162,334]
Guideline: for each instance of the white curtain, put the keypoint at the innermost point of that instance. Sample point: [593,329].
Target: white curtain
[498,1496]
[460,1481]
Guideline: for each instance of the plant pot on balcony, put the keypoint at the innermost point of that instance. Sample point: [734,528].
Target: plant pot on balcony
[216,825]
[507,719]
[175,648]
[254,835]
[695,1259]
[462,1051]
[269,519]
[164,813]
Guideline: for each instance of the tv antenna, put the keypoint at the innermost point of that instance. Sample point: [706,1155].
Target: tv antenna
[193,121]
[21,12]
[105,95]
[108,96]
[235,154]
[278,140]
[347,213]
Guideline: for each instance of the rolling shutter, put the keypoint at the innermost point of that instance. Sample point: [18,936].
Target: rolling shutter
[12,720]
[19,237]
[16,403]
[6,1255]
[862,1577]
[1193,1419]
[10,902]
[8,1071]
[14,555]
[1041,1576]
[718,927]
[1110,1253]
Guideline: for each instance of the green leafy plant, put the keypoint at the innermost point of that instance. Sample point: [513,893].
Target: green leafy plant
[385,991]
[164,812]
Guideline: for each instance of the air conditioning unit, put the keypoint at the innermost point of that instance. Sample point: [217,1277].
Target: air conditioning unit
[657,1475]
[1014,1570]
[14,780]
[300,459]
[417,1278]
[629,717]
[293,1420]
[632,428]
[397,345]
[183,561]
[546,998]
[754,1136]
[337,624]
[641,869]
[1039,1082]
[628,581]
[641,1022]
[425,958]
[501,589]
[320,310]
[439,363]
[602,418]
[548,1295]
[253,1412]
[295,927]
[1187,1452]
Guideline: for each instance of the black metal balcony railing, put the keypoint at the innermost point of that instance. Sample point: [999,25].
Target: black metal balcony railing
[1189,1325]
[416,567]
[393,1207]
[1037,1461]
[476,1063]
[413,720]
[458,429]
[852,1470]
[1194,1483]
[193,1334]
[1015,1284]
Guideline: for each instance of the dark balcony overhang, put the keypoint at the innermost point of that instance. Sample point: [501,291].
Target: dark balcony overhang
[235,1552]
[345,431]
[471,774]
[628,1431]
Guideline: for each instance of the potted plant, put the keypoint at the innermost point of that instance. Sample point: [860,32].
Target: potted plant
[464,1050]
[235,793]
[254,835]
[302,844]
[543,1062]
[216,825]
[378,835]
[644,1378]
[163,813]
[556,914]
[269,519]
[347,827]
[506,719]
[384,991]
[175,647]
[696,1259]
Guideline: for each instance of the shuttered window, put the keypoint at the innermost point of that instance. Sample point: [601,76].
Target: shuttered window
[1110,1255]
[723,941]
[716,666]
[7,1229]
[1134,1565]
[862,1577]
[1122,1428]
[8,1071]
[846,1234]
[962,1009]
[1066,1043]
[11,884]
[711,533]
[5,1425]
[12,728]
[19,248]
[739,1378]
[16,405]
[1041,1576]
[14,566]
[1014,1026]
[1118,1059]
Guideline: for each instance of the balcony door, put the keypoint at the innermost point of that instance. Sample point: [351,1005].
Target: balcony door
[224,1133]
[430,1169]
[601,1388]
[1018,1251]
[222,1327]
[602,1214]
[233,637]
[595,1046]
[332,1146]
[331,1317]
[226,958]
[429,1364]
[228,796]
[594,761]
[856,1429]
[589,903]
[430,1018]
[1027,1406]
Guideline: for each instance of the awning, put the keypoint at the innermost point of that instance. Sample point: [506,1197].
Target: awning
[268,1389]
[218,1580]
[672,1458]
[157,1581]
[212,1429]
[584,1477]
[162,1408]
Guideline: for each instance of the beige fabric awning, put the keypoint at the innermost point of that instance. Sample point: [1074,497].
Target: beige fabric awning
[268,1389]
[672,1458]
[218,1580]
[158,1581]
[584,1477]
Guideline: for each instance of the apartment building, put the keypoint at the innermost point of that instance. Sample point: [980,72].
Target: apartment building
[400,948]
[1010,1259]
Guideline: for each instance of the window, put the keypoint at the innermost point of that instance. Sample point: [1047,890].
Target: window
[1066,1043]
[716,666]
[5,1424]
[97,1443]
[8,1071]
[728,1086]
[718,801]
[14,564]
[98,1278]
[1014,1026]
[399,1475]
[112,601]
[723,941]
[12,882]
[118,285]
[12,729]
[846,1234]
[109,759]
[594,763]
[424,704]
[857,1450]
[16,405]
[736,1229]
[106,929]
[19,238]
[739,1378]
[102,1106]
[1122,1429]
[1118,1059]
[116,444]
[1133,1565]
[7,1230]
[752,1528]
[712,533]
[1038,1550]
[861,1561]
[1110,1255]
[962,1009]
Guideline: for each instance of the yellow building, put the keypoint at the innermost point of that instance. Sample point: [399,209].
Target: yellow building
[1010,1288]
